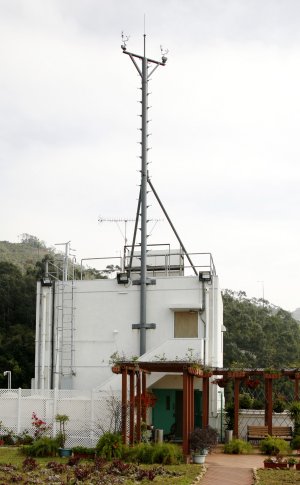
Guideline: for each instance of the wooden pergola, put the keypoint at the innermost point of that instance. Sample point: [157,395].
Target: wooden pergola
[137,373]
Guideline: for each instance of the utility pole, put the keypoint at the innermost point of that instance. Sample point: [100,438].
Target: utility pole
[143,70]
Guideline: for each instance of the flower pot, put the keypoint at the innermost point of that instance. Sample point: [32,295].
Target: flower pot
[199,459]
[195,371]
[236,373]
[63,452]
[297,466]
[273,464]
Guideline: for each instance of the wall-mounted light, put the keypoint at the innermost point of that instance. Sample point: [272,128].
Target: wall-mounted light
[122,278]
[46,281]
[8,374]
[205,276]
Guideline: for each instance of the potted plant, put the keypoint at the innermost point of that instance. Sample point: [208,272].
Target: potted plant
[61,437]
[270,373]
[275,462]
[229,421]
[201,442]
[292,462]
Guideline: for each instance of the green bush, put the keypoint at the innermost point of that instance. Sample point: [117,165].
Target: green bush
[295,443]
[163,453]
[167,454]
[42,447]
[258,404]
[110,446]
[237,447]
[143,453]
[245,401]
[84,450]
[273,446]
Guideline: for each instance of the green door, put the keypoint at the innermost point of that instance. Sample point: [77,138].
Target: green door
[163,413]
[167,412]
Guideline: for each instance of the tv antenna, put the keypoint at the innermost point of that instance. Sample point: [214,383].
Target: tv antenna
[125,220]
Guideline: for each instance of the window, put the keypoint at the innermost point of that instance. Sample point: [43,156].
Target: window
[186,325]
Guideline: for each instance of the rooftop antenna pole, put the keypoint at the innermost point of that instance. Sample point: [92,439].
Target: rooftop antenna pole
[144,73]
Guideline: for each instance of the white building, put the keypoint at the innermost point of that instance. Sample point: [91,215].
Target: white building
[82,323]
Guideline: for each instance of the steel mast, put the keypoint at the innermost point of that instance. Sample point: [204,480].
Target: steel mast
[145,76]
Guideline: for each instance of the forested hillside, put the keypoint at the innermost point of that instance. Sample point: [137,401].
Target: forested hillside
[258,334]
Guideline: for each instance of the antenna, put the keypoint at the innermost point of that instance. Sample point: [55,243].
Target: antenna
[124,234]
[142,64]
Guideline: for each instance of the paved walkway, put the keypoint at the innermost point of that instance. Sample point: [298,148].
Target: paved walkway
[231,469]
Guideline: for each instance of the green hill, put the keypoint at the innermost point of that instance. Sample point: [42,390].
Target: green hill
[25,254]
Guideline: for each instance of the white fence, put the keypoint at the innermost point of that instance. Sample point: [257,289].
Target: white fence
[90,412]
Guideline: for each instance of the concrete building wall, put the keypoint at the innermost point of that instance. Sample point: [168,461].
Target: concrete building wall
[103,312]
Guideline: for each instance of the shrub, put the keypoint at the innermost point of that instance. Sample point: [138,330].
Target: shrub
[42,447]
[237,447]
[167,454]
[294,412]
[229,415]
[143,453]
[257,404]
[110,446]
[245,401]
[273,446]
[279,405]
[203,439]
[29,464]
[84,450]
[162,453]
[295,443]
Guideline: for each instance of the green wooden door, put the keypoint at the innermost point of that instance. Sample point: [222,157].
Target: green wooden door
[167,412]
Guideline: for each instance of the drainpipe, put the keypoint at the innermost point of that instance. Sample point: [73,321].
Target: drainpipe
[52,337]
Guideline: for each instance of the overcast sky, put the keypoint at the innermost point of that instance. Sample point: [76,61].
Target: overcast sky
[225,130]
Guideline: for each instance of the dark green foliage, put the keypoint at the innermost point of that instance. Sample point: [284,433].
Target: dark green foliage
[167,454]
[294,412]
[42,447]
[229,415]
[245,401]
[162,453]
[258,335]
[273,446]
[203,439]
[295,443]
[110,446]
[237,447]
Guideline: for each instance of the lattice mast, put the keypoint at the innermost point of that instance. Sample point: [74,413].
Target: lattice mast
[143,70]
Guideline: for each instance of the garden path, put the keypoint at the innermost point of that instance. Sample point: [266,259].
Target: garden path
[231,469]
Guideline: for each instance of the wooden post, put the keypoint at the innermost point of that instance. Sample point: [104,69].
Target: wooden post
[192,423]
[138,410]
[124,405]
[270,405]
[185,414]
[205,401]
[131,409]
[266,402]
[296,389]
[237,381]
[144,407]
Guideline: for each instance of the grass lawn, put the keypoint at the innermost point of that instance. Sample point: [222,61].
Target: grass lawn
[278,477]
[61,474]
